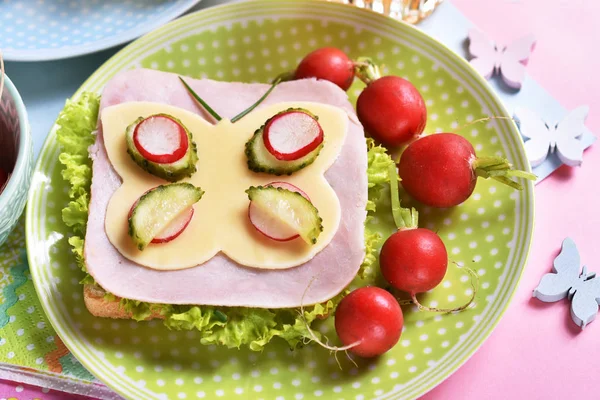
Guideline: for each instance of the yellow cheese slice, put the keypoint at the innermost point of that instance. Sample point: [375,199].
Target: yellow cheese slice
[220,222]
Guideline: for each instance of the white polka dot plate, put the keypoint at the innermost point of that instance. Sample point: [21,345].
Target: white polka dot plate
[35,30]
[255,41]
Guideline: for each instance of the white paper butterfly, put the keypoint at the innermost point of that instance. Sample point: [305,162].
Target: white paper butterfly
[543,139]
[566,281]
[488,58]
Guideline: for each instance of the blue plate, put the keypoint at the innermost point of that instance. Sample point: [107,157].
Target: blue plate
[35,30]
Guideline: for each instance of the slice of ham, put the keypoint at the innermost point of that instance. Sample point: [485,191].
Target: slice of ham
[221,281]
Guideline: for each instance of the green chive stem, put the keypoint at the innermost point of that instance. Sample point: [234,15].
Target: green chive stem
[253,106]
[202,102]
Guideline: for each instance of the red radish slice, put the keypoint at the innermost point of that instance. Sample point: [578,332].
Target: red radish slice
[292,135]
[290,187]
[270,226]
[175,228]
[160,139]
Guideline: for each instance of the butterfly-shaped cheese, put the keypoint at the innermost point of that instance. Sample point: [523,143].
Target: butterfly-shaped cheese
[220,222]
[566,281]
[488,58]
[543,139]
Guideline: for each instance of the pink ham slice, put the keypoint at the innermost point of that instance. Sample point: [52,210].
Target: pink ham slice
[221,281]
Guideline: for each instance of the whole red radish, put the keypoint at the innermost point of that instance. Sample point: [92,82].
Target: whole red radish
[390,108]
[441,170]
[413,259]
[371,319]
[327,63]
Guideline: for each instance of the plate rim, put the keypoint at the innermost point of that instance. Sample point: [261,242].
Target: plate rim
[465,66]
[49,54]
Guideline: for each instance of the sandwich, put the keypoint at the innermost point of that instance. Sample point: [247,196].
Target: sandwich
[228,240]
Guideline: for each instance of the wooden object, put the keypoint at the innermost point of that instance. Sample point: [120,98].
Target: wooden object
[509,62]
[583,289]
[543,139]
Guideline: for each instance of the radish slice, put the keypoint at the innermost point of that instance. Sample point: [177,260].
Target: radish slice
[290,187]
[270,226]
[175,228]
[291,135]
[160,139]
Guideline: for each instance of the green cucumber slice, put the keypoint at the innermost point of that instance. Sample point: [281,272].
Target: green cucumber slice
[291,208]
[260,160]
[157,208]
[173,172]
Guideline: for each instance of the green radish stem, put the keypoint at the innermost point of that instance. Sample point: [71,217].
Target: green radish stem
[500,169]
[253,106]
[366,70]
[405,219]
[497,168]
[240,115]
[199,100]
[284,77]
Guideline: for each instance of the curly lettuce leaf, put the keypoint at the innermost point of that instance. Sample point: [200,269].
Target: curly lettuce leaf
[232,327]
[235,327]
[75,133]
[367,269]
[139,310]
[378,163]
[75,127]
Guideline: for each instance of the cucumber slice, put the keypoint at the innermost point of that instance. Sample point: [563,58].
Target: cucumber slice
[173,172]
[157,208]
[260,160]
[289,208]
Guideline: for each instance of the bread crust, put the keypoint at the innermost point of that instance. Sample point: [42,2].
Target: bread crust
[99,306]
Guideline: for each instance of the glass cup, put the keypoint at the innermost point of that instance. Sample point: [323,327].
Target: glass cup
[410,11]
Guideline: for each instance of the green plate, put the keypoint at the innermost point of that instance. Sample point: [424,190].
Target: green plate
[255,41]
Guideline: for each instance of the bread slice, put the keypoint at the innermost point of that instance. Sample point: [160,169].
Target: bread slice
[99,306]
[231,285]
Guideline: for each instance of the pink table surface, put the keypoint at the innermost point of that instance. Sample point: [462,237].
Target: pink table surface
[10,390]
[536,352]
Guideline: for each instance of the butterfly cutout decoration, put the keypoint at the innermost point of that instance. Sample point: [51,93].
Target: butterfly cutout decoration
[509,62]
[563,138]
[224,176]
[583,289]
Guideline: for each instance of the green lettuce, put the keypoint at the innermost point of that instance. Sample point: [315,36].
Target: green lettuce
[377,172]
[75,133]
[378,163]
[232,327]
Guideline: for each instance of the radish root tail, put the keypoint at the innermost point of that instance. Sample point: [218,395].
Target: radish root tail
[474,285]
[480,120]
[313,336]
